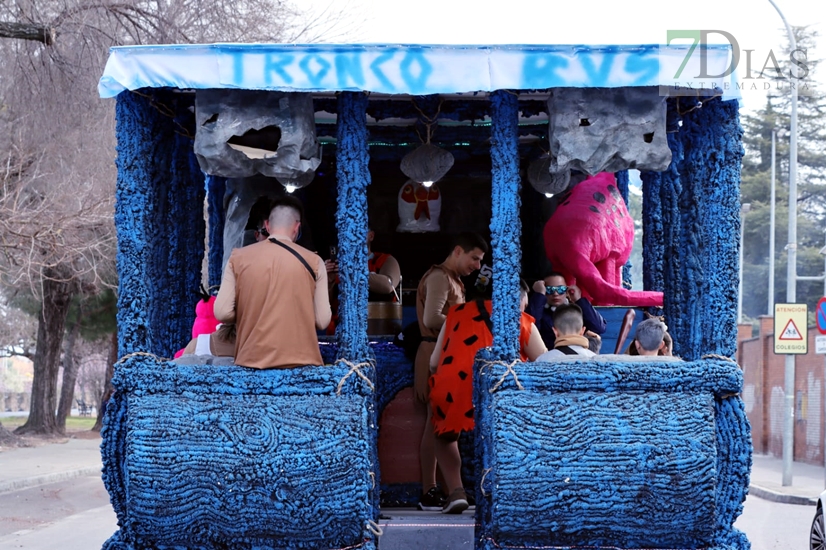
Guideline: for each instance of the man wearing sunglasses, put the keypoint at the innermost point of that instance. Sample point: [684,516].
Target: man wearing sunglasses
[552,292]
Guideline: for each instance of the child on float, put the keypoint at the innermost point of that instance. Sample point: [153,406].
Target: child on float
[651,338]
[467,329]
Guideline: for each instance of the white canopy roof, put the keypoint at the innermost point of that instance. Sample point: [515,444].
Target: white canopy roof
[417,69]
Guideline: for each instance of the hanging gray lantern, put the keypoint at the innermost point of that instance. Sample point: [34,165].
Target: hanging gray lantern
[427,164]
[242,133]
[545,181]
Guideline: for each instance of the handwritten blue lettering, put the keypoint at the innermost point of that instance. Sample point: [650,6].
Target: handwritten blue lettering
[647,67]
[276,63]
[539,70]
[237,67]
[379,74]
[415,83]
[349,66]
[323,68]
[597,77]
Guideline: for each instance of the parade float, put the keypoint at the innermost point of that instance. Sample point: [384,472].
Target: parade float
[609,453]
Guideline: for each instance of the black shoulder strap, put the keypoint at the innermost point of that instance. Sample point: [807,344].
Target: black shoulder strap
[484,315]
[297,255]
[567,350]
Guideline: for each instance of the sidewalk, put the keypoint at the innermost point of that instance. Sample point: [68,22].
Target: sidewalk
[51,462]
[767,476]
[48,463]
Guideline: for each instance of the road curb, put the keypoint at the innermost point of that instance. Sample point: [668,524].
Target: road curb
[27,482]
[783,498]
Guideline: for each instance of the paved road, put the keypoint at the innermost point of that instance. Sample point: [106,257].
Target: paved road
[77,513]
[30,508]
[774,526]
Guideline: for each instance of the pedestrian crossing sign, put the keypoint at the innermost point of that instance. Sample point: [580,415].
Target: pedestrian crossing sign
[790,329]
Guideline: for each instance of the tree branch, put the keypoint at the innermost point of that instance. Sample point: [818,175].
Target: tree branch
[27,31]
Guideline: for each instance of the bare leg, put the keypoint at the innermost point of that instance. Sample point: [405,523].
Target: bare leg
[450,462]
[427,455]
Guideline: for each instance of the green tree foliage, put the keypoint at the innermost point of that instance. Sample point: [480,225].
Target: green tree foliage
[811,180]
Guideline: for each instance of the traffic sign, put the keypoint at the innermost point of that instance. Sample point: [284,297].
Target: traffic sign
[790,324]
[820,343]
[820,315]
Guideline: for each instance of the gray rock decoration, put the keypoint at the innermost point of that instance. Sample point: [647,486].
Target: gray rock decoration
[427,163]
[241,133]
[608,129]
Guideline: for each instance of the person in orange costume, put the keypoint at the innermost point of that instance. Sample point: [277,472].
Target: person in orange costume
[467,329]
[382,280]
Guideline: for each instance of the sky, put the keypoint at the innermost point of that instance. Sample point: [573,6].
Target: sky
[754,24]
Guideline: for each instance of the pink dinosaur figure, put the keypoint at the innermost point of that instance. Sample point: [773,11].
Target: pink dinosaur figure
[205,321]
[589,238]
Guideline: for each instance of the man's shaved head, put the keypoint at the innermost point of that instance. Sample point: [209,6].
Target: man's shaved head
[286,211]
[568,320]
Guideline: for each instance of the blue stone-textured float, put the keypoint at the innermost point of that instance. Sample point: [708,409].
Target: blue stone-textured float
[158,213]
[188,450]
[216,187]
[206,456]
[505,226]
[573,454]
[610,454]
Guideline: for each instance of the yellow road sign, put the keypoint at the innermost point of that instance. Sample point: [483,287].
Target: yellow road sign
[790,329]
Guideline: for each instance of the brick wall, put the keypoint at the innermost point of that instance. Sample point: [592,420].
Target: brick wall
[763,394]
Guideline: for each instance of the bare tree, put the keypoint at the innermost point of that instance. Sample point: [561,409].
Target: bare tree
[91,376]
[18,332]
[108,389]
[177,21]
[57,147]
[58,242]
[70,369]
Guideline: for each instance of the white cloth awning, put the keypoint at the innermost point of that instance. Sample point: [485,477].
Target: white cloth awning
[417,69]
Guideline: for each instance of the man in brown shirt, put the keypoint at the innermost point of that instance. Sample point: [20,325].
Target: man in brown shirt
[275,292]
[440,288]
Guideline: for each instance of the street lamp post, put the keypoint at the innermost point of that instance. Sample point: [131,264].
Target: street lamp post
[791,272]
[772,230]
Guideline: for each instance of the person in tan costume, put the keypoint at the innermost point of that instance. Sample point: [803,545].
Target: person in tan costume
[275,292]
[439,289]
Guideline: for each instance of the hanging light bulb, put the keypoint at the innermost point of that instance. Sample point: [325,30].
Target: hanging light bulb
[548,195]
[427,164]
[290,187]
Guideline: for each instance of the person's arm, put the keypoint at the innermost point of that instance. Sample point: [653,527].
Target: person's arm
[331,270]
[438,287]
[224,307]
[437,352]
[321,298]
[387,277]
[536,304]
[536,346]
[591,318]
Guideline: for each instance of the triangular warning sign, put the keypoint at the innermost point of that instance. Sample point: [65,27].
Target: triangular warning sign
[790,332]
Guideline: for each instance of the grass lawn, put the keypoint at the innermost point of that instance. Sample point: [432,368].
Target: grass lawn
[73,423]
